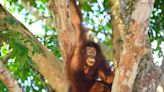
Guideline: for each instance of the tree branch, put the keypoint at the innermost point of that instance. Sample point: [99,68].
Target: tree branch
[118,30]
[46,63]
[8,79]
[66,33]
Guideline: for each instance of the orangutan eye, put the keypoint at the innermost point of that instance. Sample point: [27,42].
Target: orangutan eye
[89,52]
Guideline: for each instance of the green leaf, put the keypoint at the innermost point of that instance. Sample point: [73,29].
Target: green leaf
[33,3]
[20,8]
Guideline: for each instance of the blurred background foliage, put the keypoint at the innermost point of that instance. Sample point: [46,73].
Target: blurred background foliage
[36,16]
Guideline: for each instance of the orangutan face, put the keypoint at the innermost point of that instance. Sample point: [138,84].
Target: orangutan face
[91,55]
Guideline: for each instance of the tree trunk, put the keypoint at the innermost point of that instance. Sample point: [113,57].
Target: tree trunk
[46,63]
[136,71]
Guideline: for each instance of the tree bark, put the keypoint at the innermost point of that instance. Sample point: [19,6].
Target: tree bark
[135,62]
[46,63]
[66,33]
[160,87]
[8,79]
[118,30]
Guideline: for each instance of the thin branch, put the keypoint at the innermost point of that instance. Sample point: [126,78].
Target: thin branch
[41,18]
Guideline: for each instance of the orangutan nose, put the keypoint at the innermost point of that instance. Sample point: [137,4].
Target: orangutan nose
[93,53]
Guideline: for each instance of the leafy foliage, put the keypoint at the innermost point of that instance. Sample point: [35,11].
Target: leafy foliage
[5,89]
[156,31]
[20,63]
[96,16]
